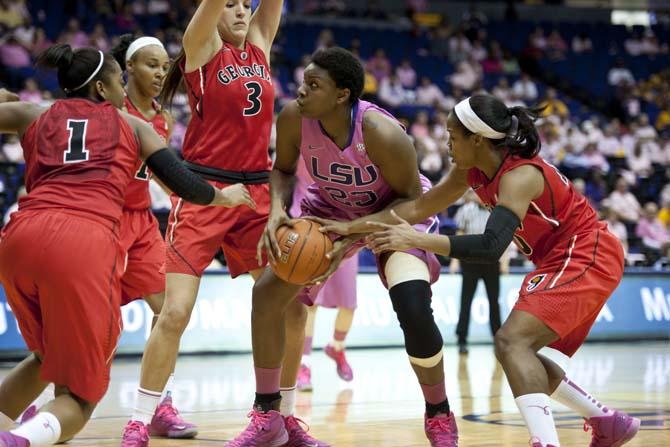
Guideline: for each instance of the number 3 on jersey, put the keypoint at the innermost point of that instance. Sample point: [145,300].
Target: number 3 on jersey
[255,91]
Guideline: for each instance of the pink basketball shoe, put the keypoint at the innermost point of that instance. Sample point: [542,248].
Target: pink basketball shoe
[167,422]
[612,430]
[136,434]
[297,436]
[264,430]
[304,378]
[535,442]
[343,368]
[441,430]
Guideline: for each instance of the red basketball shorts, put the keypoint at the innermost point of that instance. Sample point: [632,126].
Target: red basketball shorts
[195,233]
[144,247]
[61,272]
[570,287]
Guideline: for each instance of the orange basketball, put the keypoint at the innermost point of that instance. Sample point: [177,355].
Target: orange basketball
[303,252]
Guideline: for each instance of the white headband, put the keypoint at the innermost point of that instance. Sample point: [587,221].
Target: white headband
[474,123]
[95,72]
[141,43]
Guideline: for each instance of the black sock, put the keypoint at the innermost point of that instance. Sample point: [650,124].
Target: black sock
[267,402]
[433,409]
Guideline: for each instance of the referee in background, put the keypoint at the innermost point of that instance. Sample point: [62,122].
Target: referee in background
[471,219]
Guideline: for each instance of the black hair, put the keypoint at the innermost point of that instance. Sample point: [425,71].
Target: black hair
[344,68]
[173,79]
[518,123]
[75,67]
[119,51]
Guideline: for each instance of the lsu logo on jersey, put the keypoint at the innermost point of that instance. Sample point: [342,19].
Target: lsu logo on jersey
[535,281]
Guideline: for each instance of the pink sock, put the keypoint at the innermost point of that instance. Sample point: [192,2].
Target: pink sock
[267,380]
[434,394]
[307,350]
[339,335]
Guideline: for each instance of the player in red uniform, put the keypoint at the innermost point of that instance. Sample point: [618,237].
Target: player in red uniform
[146,64]
[578,262]
[60,257]
[226,70]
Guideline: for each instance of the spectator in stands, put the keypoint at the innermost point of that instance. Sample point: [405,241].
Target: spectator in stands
[25,33]
[15,59]
[373,11]
[493,61]
[478,52]
[428,94]
[624,203]
[619,74]
[510,65]
[406,74]
[664,214]
[576,138]
[31,92]
[639,161]
[649,44]
[459,48]
[502,90]
[370,86]
[537,39]
[525,89]
[663,118]
[299,71]
[73,35]
[40,42]
[430,157]
[379,65]
[592,131]
[99,38]
[615,226]
[551,146]
[10,16]
[12,150]
[420,128]
[393,94]
[610,145]
[645,131]
[581,43]
[633,45]
[440,43]
[593,159]
[556,46]
[325,39]
[553,105]
[655,237]
[467,75]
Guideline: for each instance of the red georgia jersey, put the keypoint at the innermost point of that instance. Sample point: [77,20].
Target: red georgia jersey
[232,100]
[558,214]
[79,155]
[137,194]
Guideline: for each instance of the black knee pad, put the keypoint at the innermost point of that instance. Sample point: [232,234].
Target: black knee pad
[411,303]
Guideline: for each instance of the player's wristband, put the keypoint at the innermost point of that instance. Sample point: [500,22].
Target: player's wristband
[489,246]
[187,185]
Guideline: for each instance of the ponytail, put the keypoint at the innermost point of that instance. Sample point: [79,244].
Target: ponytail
[515,125]
[173,80]
[76,68]
[119,51]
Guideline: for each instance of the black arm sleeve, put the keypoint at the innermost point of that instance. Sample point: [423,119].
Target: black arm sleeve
[489,246]
[187,185]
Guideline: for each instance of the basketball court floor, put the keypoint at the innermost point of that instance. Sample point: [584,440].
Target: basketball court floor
[383,405]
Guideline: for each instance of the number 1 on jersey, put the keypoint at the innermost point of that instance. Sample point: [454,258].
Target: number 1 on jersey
[142,173]
[76,143]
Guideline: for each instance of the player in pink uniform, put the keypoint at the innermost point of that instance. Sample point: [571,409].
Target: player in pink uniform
[338,292]
[146,63]
[361,161]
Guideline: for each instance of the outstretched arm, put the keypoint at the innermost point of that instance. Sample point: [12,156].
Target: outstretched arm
[264,25]
[518,188]
[201,39]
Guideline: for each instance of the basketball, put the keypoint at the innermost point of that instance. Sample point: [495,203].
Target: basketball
[303,252]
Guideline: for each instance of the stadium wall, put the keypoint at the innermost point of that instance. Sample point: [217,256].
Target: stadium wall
[639,309]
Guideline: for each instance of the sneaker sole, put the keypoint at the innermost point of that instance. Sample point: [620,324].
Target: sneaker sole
[306,388]
[180,434]
[630,433]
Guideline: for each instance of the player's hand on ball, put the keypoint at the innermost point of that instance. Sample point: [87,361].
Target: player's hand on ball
[268,241]
[336,255]
[7,96]
[396,237]
[234,195]
[331,226]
